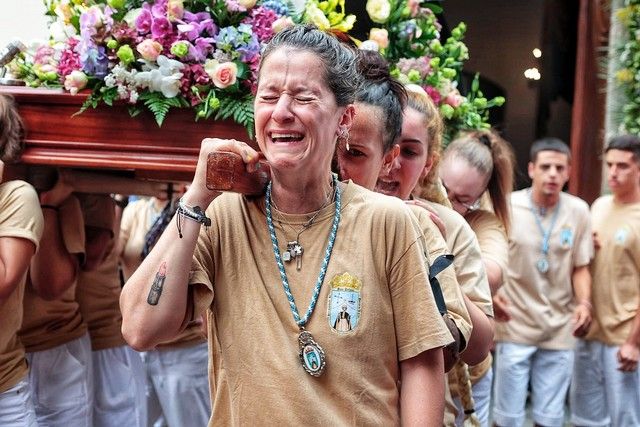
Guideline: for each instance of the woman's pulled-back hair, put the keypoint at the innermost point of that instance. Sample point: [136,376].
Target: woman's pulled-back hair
[379,89]
[429,188]
[340,71]
[493,158]
[11,130]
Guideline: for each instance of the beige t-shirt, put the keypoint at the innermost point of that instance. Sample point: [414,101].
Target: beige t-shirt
[492,237]
[48,324]
[20,217]
[469,268]
[451,290]
[137,218]
[98,291]
[542,304]
[615,270]
[376,274]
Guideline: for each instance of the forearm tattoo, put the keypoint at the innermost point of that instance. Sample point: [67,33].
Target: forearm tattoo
[156,286]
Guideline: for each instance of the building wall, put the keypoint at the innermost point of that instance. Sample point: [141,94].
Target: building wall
[22,19]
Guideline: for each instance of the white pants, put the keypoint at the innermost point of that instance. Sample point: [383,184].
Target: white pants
[16,406]
[119,377]
[602,395]
[481,392]
[62,384]
[549,372]
[180,379]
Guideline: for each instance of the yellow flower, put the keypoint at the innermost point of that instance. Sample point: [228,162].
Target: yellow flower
[624,75]
[624,14]
[378,10]
[315,16]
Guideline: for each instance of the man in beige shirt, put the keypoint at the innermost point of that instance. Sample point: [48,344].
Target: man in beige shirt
[547,292]
[606,381]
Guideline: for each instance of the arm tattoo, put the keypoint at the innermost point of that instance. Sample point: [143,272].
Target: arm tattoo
[156,286]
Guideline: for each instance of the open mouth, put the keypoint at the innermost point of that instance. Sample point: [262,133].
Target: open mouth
[285,137]
[387,187]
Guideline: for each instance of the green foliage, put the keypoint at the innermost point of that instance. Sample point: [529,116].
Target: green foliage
[628,76]
[159,105]
[240,110]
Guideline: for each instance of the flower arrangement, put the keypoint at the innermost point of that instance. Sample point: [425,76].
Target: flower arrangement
[409,38]
[163,54]
[204,54]
[628,75]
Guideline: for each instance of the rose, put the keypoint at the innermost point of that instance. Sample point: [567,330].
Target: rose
[222,74]
[149,49]
[414,7]
[175,10]
[180,49]
[75,81]
[247,4]
[282,23]
[378,10]
[454,99]
[380,36]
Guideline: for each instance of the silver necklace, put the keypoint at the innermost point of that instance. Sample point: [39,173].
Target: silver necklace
[294,249]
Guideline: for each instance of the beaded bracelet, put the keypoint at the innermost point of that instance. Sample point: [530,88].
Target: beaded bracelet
[194,213]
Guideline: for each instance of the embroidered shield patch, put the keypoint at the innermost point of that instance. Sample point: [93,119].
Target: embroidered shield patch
[344,303]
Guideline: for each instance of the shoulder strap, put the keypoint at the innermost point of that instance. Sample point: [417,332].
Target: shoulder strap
[440,263]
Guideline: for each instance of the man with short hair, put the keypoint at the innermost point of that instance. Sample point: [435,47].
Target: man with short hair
[606,381]
[547,292]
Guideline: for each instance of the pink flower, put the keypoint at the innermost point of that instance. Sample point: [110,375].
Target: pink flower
[149,49]
[454,99]
[414,7]
[75,81]
[380,36]
[433,94]
[222,74]
[175,10]
[261,20]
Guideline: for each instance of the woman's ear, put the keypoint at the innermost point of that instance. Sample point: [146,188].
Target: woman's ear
[427,167]
[389,159]
[346,121]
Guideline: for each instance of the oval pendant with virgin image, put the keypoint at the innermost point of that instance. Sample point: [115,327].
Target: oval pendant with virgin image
[311,354]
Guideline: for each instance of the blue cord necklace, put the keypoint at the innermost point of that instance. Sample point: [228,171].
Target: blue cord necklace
[311,354]
[543,263]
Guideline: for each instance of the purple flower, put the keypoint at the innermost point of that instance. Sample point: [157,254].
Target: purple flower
[160,28]
[203,47]
[95,62]
[144,19]
[261,20]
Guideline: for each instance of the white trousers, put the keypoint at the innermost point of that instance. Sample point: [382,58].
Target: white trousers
[602,395]
[61,381]
[16,406]
[180,380]
[119,378]
[549,372]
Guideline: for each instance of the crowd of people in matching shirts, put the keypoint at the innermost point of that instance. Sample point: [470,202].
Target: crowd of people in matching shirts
[540,303]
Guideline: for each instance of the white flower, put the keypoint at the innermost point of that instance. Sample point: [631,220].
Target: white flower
[378,10]
[370,45]
[61,32]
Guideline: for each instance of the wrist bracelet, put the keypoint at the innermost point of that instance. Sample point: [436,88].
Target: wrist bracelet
[194,213]
[55,208]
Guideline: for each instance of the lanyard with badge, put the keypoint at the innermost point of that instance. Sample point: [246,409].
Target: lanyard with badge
[543,263]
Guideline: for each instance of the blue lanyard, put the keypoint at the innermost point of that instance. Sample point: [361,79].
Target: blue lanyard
[325,262]
[546,234]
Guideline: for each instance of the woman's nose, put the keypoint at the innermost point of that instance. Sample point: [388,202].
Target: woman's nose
[282,111]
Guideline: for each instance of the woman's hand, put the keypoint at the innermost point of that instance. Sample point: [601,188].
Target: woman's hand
[198,194]
[432,214]
[60,191]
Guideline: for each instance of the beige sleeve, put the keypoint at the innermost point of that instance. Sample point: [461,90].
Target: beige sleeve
[20,213]
[470,271]
[492,237]
[419,326]
[584,238]
[72,226]
[451,290]
[201,277]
